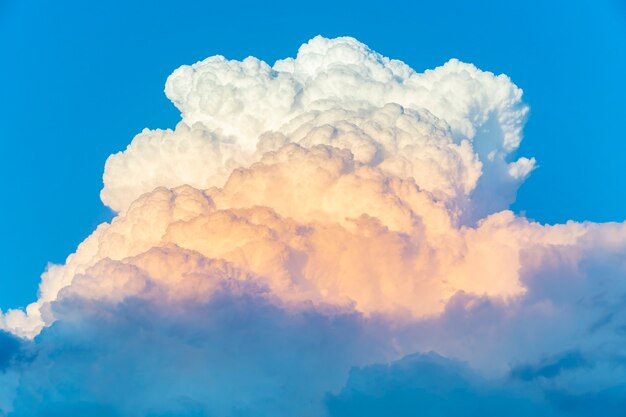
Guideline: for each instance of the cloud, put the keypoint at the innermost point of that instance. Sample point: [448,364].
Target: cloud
[431,385]
[443,127]
[313,224]
[334,211]
[239,354]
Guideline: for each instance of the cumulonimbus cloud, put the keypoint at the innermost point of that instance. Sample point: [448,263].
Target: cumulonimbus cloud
[334,210]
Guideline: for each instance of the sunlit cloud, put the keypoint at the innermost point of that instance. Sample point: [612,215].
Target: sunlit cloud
[329,235]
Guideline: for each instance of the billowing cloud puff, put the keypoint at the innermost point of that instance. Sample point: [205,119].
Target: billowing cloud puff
[443,127]
[334,211]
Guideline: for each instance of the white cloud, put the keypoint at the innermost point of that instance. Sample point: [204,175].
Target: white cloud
[434,127]
[337,204]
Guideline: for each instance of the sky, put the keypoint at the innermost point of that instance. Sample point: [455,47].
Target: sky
[81,79]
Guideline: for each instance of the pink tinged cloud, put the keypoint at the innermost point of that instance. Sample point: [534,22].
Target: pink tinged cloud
[336,209]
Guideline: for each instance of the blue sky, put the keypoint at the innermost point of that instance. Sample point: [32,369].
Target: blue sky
[80,79]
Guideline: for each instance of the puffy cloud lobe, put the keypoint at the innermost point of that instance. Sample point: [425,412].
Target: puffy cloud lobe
[440,127]
[314,224]
[343,72]
[335,210]
[169,158]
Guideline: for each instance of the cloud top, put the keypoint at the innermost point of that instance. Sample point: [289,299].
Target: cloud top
[445,128]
